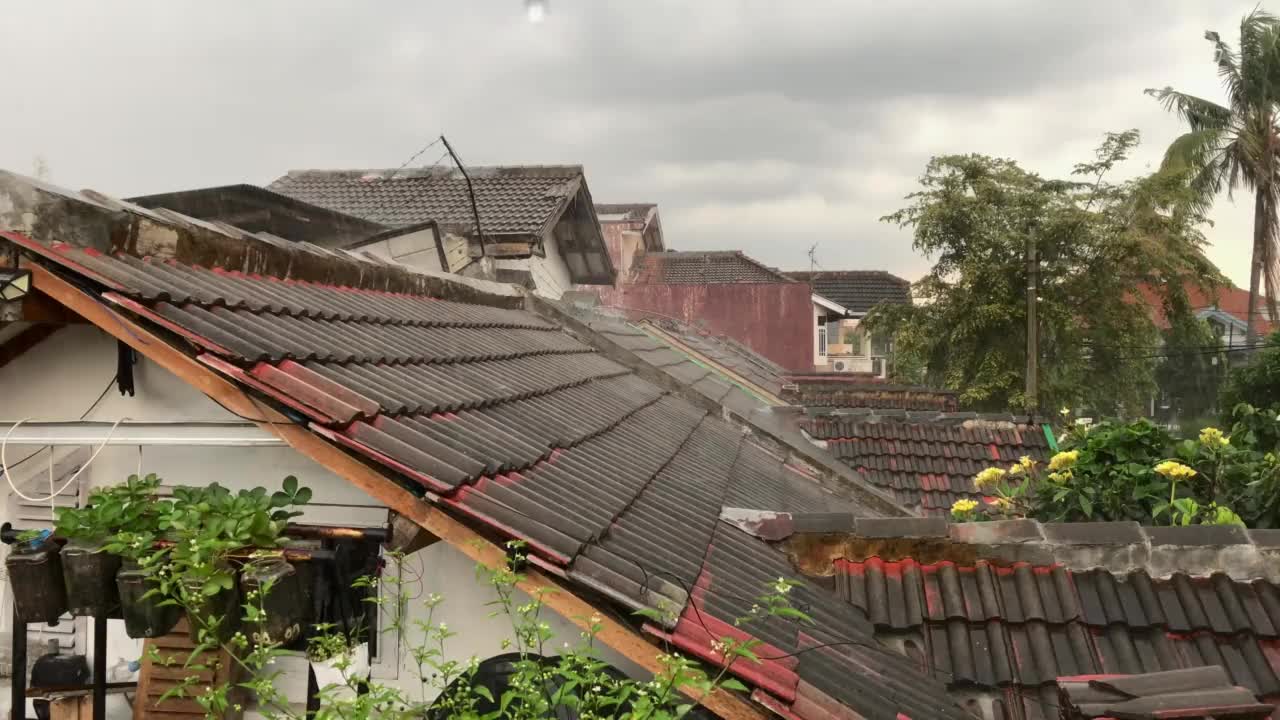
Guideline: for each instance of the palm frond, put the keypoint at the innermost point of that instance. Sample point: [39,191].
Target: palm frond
[1257,62]
[1228,68]
[1198,113]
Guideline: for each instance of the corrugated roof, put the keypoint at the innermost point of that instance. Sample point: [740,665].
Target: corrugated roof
[515,424]
[857,290]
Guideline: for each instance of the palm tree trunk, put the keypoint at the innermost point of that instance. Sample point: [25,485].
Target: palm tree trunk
[1255,267]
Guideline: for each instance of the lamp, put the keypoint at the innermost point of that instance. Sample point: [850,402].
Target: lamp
[14,283]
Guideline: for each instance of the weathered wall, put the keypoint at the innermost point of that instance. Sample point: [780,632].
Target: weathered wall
[624,242]
[774,319]
[60,379]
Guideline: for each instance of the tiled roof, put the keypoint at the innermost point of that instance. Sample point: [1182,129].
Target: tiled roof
[857,290]
[849,390]
[512,200]
[1200,692]
[504,418]
[701,267]
[989,625]
[927,464]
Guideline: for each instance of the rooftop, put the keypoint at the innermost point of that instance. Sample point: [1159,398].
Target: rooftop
[452,389]
[701,267]
[857,290]
[519,200]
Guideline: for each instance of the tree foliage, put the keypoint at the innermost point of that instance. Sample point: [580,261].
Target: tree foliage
[1235,145]
[1258,382]
[1098,241]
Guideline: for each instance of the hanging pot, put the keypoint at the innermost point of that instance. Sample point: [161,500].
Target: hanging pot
[286,608]
[89,573]
[218,613]
[144,617]
[35,576]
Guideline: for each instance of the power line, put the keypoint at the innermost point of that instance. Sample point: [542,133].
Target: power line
[415,156]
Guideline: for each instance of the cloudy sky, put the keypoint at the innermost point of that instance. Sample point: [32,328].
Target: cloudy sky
[755,124]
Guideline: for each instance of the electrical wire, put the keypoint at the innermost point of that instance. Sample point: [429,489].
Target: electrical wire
[4,464]
[416,155]
[83,415]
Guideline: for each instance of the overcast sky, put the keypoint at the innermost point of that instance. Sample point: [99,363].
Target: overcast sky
[759,125]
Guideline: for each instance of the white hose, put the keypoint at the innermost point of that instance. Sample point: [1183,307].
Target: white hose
[4,463]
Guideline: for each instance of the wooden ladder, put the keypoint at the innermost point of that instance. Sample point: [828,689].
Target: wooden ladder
[159,675]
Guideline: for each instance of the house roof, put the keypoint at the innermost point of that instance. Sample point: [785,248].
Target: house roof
[256,209]
[515,203]
[1200,692]
[516,200]
[625,212]
[700,267]
[853,390]
[499,416]
[1002,611]
[928,460]
[1231,300]
[857,290]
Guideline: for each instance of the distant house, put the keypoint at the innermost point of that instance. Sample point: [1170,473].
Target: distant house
[630,230]
[537,224]
[849,349]
[1226,309]
[731,294]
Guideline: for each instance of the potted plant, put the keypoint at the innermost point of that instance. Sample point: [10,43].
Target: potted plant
[89,565]
[212,531]
[35,576]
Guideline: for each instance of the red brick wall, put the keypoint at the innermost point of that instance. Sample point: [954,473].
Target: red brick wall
[774,319]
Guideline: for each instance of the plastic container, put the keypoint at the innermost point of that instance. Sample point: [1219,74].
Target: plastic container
[285,605]
[144,617]
[89,573]
[35,577]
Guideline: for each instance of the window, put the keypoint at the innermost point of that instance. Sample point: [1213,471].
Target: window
[822,341]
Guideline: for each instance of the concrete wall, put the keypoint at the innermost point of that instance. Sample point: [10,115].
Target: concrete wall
[59,380]
[774,319]
[624,243]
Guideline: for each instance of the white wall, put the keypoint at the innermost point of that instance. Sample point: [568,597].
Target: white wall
[60,378]
[416,249]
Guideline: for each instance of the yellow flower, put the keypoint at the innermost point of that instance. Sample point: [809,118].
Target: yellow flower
[1024,465]
[1064,460]
[1003,504]
[963,507]
[1175,470]
[1060,477]
[990,476]
[1212,437]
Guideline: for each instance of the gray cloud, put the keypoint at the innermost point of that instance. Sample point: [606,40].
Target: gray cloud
[757,125]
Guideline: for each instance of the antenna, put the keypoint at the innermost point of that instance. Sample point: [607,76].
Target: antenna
[813,257]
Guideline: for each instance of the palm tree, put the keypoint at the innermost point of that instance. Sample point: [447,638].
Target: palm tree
[1238,145]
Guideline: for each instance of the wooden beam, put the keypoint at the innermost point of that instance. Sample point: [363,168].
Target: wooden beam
[382,488]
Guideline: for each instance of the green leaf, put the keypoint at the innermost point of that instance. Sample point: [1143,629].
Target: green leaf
[732,683]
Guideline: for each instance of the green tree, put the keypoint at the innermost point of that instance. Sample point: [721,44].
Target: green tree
[1098,241]
[1257,383]
[1190,372]
[1238,144]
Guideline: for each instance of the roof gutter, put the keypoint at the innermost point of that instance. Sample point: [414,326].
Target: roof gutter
[382,488]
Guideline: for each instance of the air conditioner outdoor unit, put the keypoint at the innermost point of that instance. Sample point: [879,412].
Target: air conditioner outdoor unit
[842,366]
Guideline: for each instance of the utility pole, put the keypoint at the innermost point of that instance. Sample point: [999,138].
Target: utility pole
[1033,328]
[475,209]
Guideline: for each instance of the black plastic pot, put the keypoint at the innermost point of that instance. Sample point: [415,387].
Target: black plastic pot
[35,576]
[89,573]
[144,617]
[285,606]
[219,613]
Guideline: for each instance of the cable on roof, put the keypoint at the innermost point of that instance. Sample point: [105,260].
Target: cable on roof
[415,156]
